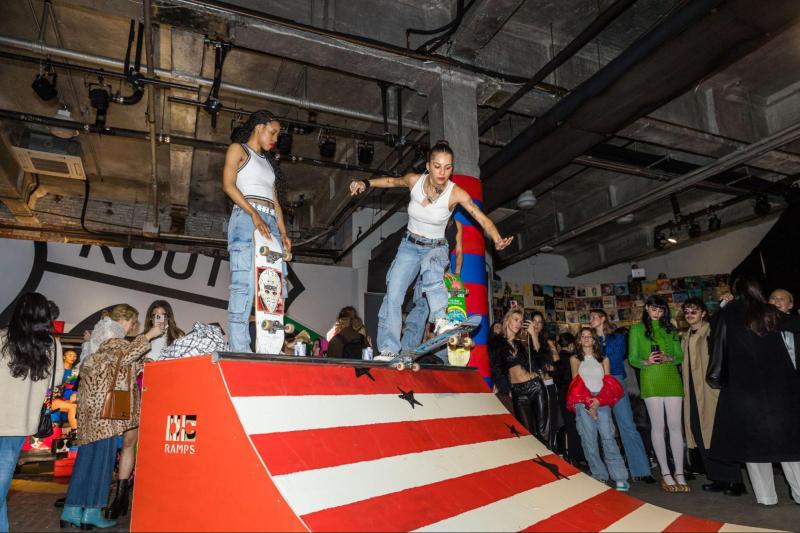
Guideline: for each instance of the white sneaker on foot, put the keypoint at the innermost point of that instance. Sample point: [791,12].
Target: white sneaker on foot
[385,355]
[444,325]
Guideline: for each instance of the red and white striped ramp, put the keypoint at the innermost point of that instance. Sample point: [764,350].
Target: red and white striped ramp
[285,444]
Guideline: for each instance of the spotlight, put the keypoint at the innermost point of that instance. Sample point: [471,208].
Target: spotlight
[99,97]
[45,87]
[695,230]
[526,200]
[284,143]
[762,207]
[714,223]
[659,241]
[327,147]
[366,152]
[672,240]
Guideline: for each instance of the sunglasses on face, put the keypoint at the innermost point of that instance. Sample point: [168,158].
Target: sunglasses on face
[691,311]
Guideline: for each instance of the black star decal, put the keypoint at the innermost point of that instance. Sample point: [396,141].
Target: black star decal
[296,287]
[363,371]
[409,397]
[552,468]
[513,429]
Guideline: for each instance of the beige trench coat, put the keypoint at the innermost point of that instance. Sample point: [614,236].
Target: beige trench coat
[695,360]
[96,375]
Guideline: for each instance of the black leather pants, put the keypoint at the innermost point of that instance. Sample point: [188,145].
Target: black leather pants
[531,408]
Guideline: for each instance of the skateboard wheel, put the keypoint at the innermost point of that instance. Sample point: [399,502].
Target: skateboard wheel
[468,343]
[415,367]
[452,342]
[400,366]
[263,250]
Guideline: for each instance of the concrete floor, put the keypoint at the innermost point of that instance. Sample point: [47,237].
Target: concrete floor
[33,491]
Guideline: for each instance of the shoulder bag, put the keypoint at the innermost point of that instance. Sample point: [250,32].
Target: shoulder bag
[117,404]
[45,427]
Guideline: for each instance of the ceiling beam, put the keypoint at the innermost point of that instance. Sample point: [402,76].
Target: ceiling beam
[480,24]
[650,73]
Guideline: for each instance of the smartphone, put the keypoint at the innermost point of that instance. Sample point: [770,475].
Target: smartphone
[158,319]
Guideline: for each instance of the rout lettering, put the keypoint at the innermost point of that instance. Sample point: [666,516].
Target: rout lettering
[180,434]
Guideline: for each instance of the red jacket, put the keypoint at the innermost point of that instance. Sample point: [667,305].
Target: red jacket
[608,395]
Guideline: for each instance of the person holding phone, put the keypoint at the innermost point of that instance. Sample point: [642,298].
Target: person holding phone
[654,347]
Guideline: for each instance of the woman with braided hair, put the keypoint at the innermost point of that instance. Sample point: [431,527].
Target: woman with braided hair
[424,249]
[254,182]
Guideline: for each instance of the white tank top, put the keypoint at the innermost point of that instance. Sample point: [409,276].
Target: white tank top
[256,177]
[429,221]
[591,372]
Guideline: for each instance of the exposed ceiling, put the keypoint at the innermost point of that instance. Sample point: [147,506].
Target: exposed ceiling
[678,108]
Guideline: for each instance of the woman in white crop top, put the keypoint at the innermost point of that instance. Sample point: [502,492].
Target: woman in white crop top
[423,251]
[254,182]
[592,392]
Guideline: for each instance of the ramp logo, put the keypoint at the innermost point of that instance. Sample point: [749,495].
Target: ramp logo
[181,434]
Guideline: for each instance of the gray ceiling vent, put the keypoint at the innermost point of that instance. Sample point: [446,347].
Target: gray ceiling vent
[40,153]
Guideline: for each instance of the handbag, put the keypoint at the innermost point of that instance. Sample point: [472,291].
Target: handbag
[117,403]
[45,427]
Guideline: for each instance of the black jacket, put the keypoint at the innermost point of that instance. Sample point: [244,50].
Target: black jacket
[757,418]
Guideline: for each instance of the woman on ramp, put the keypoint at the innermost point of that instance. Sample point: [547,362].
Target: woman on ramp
[254,182]
[423,250]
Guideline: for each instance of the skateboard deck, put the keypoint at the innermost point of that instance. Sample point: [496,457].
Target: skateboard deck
[410,358]
[268,260]
[456,302]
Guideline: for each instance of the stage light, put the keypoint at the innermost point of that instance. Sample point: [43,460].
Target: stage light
[695,230]
[762,207]
[45,87]
[672,240]
[366,152]
[99,97]
[526,200]
[284,143]
[714,223]
[327,147]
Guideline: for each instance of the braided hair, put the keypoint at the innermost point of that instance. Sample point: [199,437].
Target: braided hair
[241,134]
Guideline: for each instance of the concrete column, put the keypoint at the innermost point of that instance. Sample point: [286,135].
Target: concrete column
[453,116]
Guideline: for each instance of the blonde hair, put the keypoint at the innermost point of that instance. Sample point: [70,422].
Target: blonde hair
[121,312]
[507,319]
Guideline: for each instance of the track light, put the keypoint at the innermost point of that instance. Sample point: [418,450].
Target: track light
[714,223]
[45,85]
[762,207]
[659,241]
[284,143]
[695,230]
[327,147]
[366,152]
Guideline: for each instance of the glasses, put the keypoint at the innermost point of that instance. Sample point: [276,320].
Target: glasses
[691,311]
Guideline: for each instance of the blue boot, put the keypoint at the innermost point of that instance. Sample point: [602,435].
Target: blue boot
[93,518]
[71,516]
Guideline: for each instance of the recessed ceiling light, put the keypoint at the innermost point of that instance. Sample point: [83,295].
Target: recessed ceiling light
[625,219]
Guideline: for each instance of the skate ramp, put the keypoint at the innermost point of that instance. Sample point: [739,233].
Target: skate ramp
[295,444]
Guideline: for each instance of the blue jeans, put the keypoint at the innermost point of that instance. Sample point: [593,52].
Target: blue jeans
[588,428]
[9,453]
[414,326]
[638,463]
[243,279]
[91,476]
[429,261]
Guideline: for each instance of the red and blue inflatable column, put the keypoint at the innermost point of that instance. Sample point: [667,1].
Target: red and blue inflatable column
[473,273]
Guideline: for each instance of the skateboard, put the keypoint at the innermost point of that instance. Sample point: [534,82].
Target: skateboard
[410,358]
[456,302]
[458,350]
[268,260]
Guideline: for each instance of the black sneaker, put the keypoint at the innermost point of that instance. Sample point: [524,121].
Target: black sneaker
[734,489]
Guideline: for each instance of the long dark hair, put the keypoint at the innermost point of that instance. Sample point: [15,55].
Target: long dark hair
[760,317]
[29,341]
[173,331]
[596,348]
[241,134]
[656,301]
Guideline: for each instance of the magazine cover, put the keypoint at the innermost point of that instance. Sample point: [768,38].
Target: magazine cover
[580,291]
[559,304]
[527,295]
[569,304]
[621,289]
[609,302]
[663,285]
[558,292]
[569,292]
[594,291]
[547,290]
[607,289]
[549,302]
[623,302]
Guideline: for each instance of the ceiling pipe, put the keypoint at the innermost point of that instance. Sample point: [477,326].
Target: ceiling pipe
[172,139]
[727,162]
[590,32]
[114,64]
[147,7]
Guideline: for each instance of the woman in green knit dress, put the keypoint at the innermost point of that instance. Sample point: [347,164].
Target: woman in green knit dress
[654,347]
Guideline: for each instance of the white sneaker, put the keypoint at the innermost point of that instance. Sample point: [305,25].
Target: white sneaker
[444,325]
[385,355]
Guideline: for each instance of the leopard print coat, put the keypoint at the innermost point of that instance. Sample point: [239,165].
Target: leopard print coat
[96,375]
